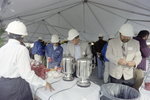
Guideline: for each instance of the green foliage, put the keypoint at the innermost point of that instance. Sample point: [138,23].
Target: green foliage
[2,31]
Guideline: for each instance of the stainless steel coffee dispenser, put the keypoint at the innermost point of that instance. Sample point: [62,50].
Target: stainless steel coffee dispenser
[68,68]
[83,71]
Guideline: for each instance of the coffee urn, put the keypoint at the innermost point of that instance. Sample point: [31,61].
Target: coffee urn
[83,71]
[68,68]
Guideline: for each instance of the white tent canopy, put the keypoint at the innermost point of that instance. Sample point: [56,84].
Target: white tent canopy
[89,17]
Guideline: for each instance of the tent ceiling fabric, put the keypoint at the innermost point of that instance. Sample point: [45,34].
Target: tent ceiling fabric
[89,17]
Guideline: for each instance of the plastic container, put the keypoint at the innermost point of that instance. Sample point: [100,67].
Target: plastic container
[113,91]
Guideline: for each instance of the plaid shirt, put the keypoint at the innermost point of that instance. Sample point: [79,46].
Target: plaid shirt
[145,51]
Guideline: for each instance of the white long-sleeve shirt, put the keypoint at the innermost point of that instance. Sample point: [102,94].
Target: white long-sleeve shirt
[15,62]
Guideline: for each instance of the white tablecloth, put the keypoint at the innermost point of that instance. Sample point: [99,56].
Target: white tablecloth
[74,93]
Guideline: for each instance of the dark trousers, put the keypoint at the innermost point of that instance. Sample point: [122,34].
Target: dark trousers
[129,82]
[14,89]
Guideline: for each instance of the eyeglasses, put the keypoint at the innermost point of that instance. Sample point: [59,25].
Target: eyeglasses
[75,38]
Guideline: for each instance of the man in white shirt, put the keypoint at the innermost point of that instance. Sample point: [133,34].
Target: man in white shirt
[15,67]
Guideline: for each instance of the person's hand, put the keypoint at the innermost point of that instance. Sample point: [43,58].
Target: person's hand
[49,59]
[48,85]
[55,67]
[131,63]
[98,53]
[122,61]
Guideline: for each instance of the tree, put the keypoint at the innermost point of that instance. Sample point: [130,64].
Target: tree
[2,31]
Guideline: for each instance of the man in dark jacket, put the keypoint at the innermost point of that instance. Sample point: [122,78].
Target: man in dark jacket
[145,51]
[97,49]
[38,50]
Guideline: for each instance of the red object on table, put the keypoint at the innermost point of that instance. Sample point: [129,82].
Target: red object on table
[58,68]
[40,70]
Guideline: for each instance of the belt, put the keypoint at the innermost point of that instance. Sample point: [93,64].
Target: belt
[9,78]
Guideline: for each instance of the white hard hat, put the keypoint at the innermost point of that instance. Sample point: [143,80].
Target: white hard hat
[72,34]
[111,36]
[100,35]
[55,38]
[127,30]
[17,27]
[40,38]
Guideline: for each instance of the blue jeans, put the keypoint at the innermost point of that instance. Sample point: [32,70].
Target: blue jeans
[100,65]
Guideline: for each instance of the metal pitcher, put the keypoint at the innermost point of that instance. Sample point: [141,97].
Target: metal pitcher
[83,71]
[68,67]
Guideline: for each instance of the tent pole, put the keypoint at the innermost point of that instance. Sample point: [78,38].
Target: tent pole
[36,38]
[69,29]
[97,19]
[140,24]
[4,3]
[32,23]
[65,19]
[71,24]
[13,17]
[42,7]
[121,9]
[36,19]
[38,33]
[134,5]
[62,28]
[125,18]
[47,28]
[107,11]
[54,29]
[53,26]
[139,20]
[53,14]
[35,31]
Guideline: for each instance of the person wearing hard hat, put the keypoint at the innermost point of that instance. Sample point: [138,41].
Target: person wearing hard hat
[54,53]
[38,50]
[77,48]
[106,71]
[124,55]
[15,67]
[145,51]
[97,49]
